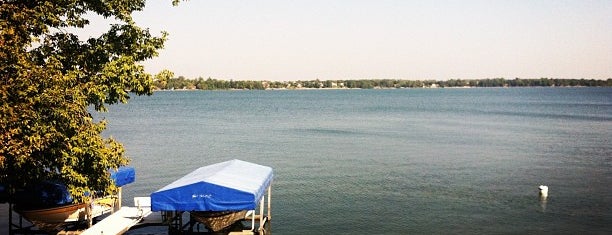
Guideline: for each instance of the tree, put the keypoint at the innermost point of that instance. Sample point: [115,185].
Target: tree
[160,81]
[48,79]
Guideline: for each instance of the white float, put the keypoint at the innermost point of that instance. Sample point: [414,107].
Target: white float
[543,191]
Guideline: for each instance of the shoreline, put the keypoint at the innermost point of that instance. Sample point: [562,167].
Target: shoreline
[374,88]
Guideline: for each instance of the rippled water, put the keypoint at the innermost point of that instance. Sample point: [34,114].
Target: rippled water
[416,161]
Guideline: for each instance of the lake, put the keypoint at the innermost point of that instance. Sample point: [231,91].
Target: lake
[401,161]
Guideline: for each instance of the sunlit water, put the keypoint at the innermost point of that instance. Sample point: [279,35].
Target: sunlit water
[408,161]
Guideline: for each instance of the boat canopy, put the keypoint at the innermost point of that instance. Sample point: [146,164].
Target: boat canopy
[227,186]
[124,175]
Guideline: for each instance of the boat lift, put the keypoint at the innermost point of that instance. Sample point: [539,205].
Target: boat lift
[217,196]
[69,218]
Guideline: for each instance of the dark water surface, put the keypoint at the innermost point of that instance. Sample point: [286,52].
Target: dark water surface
[409,161]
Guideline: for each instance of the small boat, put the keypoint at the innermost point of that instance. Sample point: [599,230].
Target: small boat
[55,218]
[49,206]
[51,219]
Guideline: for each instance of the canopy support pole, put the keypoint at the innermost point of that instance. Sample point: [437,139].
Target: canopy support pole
[118,204]
[269,200]
[261,212]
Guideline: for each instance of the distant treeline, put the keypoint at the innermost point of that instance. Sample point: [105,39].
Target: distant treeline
[215,84]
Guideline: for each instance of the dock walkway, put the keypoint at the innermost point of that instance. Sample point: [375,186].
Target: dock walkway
[122,220]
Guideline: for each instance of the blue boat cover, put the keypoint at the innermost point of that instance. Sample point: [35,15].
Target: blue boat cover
[124,175]
[226,186]
[45,194]
[4,195]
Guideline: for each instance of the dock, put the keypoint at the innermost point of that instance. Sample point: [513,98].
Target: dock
[123,219]
[195,196]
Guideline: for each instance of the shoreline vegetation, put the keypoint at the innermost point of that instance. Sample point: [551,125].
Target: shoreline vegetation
[182,83]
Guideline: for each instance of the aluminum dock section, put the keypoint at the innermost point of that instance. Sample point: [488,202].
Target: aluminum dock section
[123,219]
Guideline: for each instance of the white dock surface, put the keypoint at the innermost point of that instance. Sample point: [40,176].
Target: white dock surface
[119,222]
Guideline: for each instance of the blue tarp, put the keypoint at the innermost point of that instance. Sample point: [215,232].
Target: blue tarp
[124,175]
[227,186]
[4,198]
[45,194]
[53,193]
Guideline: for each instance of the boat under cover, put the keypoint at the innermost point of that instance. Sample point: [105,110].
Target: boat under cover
[49,205]
[233,185]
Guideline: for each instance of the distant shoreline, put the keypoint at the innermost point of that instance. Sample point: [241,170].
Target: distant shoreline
[385,88]
[182,83]
[375,88]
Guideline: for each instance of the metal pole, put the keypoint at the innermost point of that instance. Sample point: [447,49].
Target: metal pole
[269,200]
[118,200]
[261,212]
[88,211]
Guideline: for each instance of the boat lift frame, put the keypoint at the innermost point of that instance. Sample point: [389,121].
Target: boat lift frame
[176,226]
[25,227]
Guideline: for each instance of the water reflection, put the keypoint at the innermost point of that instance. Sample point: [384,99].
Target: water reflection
[543,201]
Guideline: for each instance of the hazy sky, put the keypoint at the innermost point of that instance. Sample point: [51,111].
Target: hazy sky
[394,39]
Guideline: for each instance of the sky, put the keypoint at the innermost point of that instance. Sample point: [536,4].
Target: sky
[286,40]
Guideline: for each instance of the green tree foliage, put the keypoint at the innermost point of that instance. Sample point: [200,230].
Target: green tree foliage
[160,81]
[48,79]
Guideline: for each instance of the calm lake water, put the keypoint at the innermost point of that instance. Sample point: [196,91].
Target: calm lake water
[406,161]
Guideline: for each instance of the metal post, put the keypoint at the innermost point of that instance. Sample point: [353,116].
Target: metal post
[88,211]
[252,212]
[269,200]
[261,213]
[118,200]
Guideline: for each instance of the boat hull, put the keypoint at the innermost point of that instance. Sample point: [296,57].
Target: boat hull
[50,219]
[216,221]
[54,219]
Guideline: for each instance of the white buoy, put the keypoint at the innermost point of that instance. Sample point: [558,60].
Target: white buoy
[543,191]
